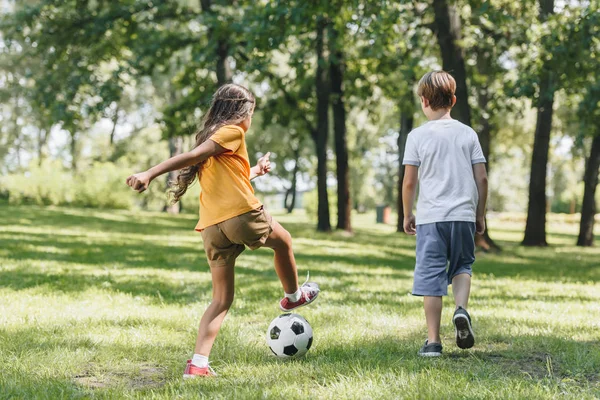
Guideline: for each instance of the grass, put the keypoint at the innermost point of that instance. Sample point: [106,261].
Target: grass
[105,304]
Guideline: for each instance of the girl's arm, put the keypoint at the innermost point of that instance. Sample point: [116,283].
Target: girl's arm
[206,150]
[262,167]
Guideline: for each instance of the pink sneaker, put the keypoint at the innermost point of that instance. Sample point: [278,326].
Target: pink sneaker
[191,371]
[310,291]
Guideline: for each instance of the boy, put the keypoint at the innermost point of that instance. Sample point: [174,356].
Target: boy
[450,210]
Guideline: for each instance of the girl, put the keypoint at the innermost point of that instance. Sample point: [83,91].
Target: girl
[230,216]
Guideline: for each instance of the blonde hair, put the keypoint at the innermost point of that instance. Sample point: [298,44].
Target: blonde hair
[230,105]
[438,87]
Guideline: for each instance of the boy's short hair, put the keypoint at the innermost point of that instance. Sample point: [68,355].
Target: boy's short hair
[438,87]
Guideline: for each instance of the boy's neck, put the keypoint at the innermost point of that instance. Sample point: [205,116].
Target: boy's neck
[442,113]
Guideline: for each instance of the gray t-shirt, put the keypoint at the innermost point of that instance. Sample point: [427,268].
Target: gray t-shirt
[445,151]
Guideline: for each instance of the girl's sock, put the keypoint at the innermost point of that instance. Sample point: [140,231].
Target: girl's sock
[200,361]
[294,297]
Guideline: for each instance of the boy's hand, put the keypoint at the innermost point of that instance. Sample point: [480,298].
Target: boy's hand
[139,182]
[410,226]
[480,225]
[263,165]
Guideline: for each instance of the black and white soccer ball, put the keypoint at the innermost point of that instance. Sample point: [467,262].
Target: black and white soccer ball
[289,335]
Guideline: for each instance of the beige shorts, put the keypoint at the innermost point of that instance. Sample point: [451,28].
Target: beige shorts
[225,241]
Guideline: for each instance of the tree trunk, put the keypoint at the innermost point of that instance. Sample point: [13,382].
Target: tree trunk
[175,148]
[224,74]
[320,136]
[535,229]
[115,120]
[447,30]
[344,206]
[43,135]
[223,69]
[74,152]
[286,198]
[16,131]
[406,125]
[292,191]
[588,207]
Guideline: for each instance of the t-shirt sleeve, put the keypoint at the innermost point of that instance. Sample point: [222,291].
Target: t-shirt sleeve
[476,151]
[411,155]
[228,137]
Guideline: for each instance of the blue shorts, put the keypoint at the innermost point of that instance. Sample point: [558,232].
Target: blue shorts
[444,250]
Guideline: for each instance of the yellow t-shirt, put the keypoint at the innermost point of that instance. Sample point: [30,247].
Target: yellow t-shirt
[225,180]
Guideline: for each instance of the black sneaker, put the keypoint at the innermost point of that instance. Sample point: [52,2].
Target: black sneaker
[465,338]
[431,350]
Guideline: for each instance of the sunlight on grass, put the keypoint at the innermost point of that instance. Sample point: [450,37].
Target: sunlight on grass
[106,304]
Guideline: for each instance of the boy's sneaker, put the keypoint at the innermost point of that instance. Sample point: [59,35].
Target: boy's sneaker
[431,350]
[191,371]
[310,291]
[465,338]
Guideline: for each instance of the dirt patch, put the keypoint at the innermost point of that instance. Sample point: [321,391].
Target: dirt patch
[144,377]
[535,366]
[149,377]
[90,381]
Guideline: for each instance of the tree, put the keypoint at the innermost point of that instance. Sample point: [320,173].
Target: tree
[337,68]
[322,87]
[588,208]
[488,30]
[448,32]
[298,33]
[581,34]
[535,228]
[588,115]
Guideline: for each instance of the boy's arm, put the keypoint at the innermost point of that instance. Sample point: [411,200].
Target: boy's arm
[409,190]
[481,180]
[207,149]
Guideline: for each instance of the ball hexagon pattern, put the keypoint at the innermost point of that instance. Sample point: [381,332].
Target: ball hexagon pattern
[289,335]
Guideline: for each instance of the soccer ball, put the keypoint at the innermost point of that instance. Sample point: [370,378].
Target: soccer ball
[289,335]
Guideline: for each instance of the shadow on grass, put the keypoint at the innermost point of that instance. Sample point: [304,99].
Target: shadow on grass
[73,251]
[551,268]
[95,220]
[551,234]
[74,281]
[256,284]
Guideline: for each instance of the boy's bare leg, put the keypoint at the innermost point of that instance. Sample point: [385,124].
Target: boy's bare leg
[280,241]
[461,287]
[433,315]
[223,286]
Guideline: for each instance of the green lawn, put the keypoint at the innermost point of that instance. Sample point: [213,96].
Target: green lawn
[105,304]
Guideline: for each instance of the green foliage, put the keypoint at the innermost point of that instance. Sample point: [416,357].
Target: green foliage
[101,186]
[70,64]
[49,184]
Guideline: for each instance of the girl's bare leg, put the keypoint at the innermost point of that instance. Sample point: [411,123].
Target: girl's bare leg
[280,241]
[223,286]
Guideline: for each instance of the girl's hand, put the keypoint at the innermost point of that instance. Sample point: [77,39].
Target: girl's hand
[263,165]
[139,182]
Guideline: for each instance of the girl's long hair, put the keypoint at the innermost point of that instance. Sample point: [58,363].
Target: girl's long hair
[230,105]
